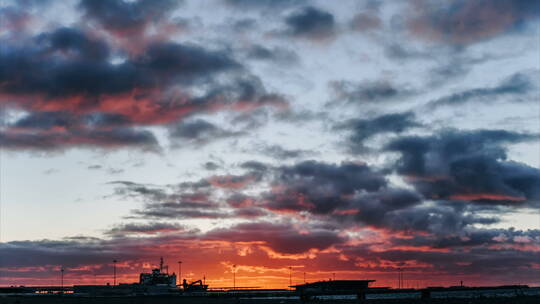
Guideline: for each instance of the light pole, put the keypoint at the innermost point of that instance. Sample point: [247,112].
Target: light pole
[234,276]
[304,277]
[290,276]
[62,279]
[114,272]
[180,271]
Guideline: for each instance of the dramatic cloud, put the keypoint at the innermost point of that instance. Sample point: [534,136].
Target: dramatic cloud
[280,238]
[469,166]
[363,129]
[39,78]
[75,94]
[319,187]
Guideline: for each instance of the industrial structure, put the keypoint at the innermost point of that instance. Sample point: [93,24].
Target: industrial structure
[333,287]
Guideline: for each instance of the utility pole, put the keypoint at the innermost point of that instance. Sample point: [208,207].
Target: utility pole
[114,272]
[180,271]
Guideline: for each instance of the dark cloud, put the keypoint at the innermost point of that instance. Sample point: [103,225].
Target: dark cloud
[515,85]
[362,129]
[487,263]
[180,206]
[475,237]
[466,22]
[456,65]
[310,23]
[467,165]
[75,42]
[68,252]
[199,132]
[66,81]
[255,166]
[400,211]
[45,120]
[279,237]
[278,152]
[234,181]
[241,94]
[49,121]
[178,212]
[144,228]
[188,200]
[238,200]
[35,70]
[110,139]
[250,213]
[353,194]
[367,92]
[276,54]
[243,25]
[404,211]
[211,166]
[400,52]
[183,62]
[127,17]
[319,187]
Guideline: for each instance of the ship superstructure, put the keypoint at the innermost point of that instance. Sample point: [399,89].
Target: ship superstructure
[157,277]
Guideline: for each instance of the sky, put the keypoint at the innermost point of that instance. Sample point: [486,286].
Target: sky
[272,138]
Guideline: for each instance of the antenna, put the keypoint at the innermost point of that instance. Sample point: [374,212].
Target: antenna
[161,264]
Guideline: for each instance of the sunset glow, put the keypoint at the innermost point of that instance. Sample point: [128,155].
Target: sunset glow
[273,141]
